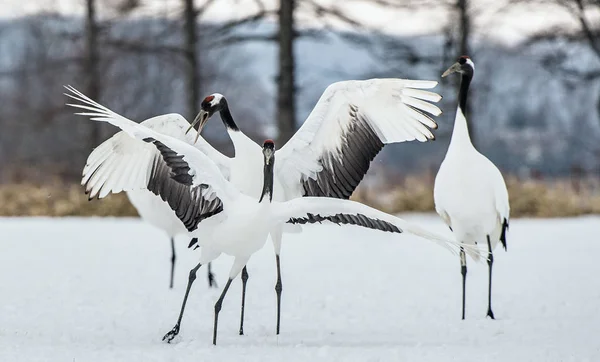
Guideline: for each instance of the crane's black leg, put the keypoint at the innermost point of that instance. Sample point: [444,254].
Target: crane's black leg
[490,263]
[211,278]
[244,280]
[218,309]
[175,331]
[463,271]
[278,289]
[172,262]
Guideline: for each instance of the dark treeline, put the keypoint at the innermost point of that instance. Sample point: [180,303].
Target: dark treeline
[142,74]
[535,107]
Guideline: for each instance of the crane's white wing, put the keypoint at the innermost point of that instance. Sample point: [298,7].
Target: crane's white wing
[498,194]
[123,163]
[310,210]
[332,151]
[188,166]
[502,202]
[501,196]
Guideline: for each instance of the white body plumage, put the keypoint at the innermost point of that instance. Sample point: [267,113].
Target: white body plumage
[470,194]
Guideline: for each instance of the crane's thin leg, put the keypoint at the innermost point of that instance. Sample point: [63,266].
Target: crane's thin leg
[211,277]
[172,262]
[218,309]
[244,280]
[278,289]
[276,236]
[490,263]
[175,331]
[463,271]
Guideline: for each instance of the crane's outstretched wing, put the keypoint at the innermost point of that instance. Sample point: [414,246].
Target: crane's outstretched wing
[205,189]
[353,120]
[122,163]
[310,210]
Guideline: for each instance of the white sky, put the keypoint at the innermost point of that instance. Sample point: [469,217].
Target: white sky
[503,25]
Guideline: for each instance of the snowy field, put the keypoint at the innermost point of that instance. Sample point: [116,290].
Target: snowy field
[97,290]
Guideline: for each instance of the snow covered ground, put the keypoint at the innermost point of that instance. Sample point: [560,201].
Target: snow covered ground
[97,290]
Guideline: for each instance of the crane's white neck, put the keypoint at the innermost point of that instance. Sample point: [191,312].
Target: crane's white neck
[460,133]
[242,144]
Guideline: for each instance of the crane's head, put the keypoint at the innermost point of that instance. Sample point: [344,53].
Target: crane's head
[269,153]
[209,106]
[464,65]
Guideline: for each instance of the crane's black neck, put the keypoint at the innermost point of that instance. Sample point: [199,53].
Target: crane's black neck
[226,116]
[465,82]
[268,180]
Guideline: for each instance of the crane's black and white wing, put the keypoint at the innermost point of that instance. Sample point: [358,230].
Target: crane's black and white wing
[311,210]
[181,174]
[353,120]
[123,163]
[172,179]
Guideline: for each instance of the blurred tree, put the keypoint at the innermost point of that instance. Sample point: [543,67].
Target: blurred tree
[399,56]
[127,6]
[140,71]
[191,17]
[286,36]
[561,54]
[192,78]
[91,66]
[464,32]
[588,32]
[286,105]
[591,31]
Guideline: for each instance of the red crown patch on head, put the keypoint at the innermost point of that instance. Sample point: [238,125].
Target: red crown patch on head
[463,59]
[209,98]
[269,141]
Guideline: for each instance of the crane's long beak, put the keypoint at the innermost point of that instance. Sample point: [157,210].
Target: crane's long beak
[201,118]
[453,69]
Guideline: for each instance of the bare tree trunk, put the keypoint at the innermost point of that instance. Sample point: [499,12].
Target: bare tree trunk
[193,73]
[591,35]
[448,54]
[92,67]
[464,34]
[286,107]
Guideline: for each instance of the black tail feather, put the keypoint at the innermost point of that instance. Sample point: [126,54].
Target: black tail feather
[503,234]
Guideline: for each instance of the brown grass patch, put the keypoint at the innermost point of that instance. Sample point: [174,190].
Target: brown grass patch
[533,198]
[59,200]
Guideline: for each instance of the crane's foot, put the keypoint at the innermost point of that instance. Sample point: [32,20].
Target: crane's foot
[172,334]
[490,313]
